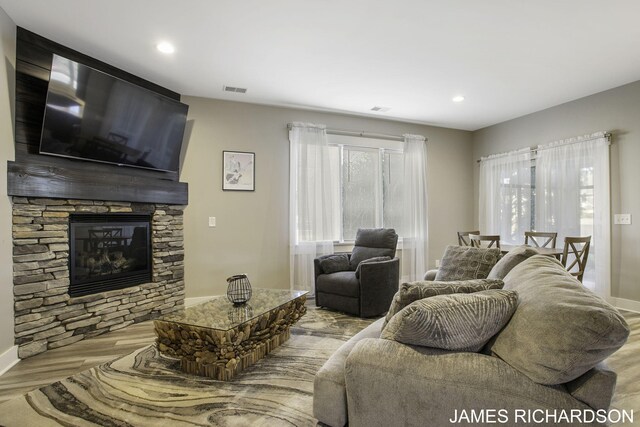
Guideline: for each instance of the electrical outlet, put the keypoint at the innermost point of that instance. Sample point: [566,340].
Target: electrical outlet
[622,219]
[437,263]
[212,221]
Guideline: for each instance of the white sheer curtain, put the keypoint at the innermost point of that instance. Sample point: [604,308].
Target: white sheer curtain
[414,213]
[572,198]
[313,202]
[505,195]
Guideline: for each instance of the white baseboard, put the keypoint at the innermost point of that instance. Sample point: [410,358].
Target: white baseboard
[188,302]
[8,359]
[625,304]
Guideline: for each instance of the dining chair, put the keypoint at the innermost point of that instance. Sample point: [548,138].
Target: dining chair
[491,240]
[463,237]
[541,239]
[579,248]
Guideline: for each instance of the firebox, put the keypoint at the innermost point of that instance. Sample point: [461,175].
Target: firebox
[108,251]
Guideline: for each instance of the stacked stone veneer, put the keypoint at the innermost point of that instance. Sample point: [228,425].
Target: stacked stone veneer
[46,317]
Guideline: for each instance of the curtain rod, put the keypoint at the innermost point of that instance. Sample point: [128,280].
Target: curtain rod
[361,134]
[568,141]
[534,150]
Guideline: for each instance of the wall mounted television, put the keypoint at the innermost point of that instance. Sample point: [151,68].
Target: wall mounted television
[91,115]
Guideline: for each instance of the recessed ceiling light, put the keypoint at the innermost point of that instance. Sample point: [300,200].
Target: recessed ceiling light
[458,98]
[165,47]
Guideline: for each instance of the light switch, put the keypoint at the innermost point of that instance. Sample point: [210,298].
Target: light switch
[212,221]
[437,263]
[622,219]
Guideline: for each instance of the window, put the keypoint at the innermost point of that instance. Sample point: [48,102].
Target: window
[516,196]
[519,200]
[506,195]
[565,189]
[370,184]
[586,201]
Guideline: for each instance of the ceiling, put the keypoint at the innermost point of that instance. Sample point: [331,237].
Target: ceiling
[507,58]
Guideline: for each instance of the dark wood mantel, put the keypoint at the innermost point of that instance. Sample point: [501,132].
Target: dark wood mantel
[67,182]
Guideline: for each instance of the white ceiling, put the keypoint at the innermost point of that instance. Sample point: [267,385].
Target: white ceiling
[507,57]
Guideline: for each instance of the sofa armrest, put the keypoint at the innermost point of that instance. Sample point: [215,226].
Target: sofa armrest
[316,265]
[595,387]
[389,383]
[378,284]
[329,393]
[316,262]
[430,275]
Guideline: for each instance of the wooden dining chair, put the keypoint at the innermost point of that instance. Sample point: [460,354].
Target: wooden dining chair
[491,240]
[578,247]
[463,237]
[541,239]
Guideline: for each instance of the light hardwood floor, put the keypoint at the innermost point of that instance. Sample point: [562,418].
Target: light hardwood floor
[52,365]
[60,363]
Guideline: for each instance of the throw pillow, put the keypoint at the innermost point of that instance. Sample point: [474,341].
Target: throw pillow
[413,291]
[334,263]
[512,258]
[370,260]
[465,262]
[457,322]
[561,329]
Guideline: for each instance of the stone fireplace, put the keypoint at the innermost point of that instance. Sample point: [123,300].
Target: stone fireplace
[62,272]
[77,272]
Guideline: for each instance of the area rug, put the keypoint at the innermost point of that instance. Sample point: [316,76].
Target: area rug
[145,388]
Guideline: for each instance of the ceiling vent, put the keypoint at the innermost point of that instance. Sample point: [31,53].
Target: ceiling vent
[234,89]
[380,109]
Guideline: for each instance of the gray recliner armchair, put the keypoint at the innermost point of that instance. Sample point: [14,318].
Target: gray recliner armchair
[363,282]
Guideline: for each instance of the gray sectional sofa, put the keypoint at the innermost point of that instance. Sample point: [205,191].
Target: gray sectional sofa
[548,359]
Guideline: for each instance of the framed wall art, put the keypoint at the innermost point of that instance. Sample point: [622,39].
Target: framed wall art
[238,171]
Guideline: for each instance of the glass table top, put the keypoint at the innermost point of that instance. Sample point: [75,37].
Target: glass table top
[218,313]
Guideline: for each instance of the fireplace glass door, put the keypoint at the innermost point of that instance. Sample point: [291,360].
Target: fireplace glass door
[110,251]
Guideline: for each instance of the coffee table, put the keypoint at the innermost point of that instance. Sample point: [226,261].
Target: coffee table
[218,340]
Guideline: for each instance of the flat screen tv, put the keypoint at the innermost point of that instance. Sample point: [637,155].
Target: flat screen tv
[94,116]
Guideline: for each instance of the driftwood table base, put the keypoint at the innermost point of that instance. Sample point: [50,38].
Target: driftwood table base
[219,353]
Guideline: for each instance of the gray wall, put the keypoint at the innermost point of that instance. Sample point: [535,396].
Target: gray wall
[252,233]
[616,110]
[7,85]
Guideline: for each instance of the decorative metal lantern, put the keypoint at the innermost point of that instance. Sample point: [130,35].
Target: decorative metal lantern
[238,289]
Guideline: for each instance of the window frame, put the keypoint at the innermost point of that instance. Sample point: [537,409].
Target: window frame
[374,145]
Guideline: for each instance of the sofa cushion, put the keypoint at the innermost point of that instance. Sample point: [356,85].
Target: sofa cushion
[361,253]
[413,291]
[512,258]
[334,263]
[377,238]
[370,260]
[560,329]
[465,262]
[342,283]
[463,322]
[373,242]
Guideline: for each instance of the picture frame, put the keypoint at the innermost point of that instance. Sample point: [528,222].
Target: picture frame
[238,171]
